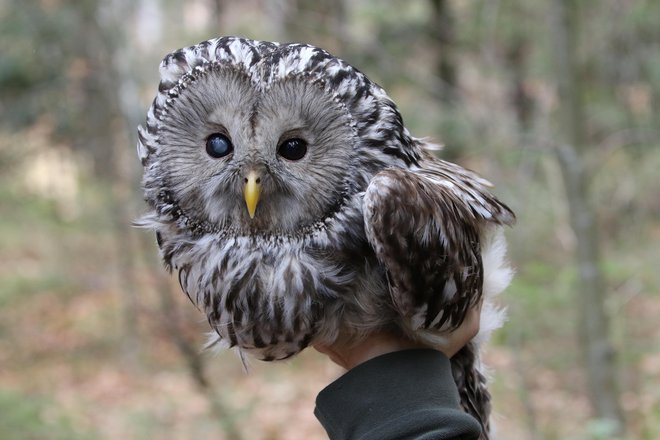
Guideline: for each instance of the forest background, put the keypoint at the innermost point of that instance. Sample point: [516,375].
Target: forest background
[557,102]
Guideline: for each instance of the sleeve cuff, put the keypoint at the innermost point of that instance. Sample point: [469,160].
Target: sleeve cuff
[405,394]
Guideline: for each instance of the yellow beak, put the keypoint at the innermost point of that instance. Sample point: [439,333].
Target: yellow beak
[252,191]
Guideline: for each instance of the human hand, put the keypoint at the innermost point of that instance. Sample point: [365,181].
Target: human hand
[349,353]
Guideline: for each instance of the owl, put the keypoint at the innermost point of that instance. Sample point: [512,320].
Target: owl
[295,207]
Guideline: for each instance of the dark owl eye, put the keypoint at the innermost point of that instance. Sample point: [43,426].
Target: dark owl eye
[293,149]
[218,145]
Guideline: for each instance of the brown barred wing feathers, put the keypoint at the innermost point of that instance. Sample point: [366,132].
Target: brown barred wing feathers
[425,227]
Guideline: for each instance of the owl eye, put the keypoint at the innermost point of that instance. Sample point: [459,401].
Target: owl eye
[218,145]
[293,149]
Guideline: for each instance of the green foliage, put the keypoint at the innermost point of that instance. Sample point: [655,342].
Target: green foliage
[599,429]
[537,289]
[29,417]
[18,288]
[36,43]
[46,66]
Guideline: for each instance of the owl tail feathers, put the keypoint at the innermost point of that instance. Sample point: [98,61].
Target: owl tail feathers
[471,384]
[497,276]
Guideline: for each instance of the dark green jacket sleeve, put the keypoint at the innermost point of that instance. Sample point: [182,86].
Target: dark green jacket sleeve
[404,395]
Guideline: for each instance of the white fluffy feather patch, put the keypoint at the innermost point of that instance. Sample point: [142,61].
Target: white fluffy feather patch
[497,276]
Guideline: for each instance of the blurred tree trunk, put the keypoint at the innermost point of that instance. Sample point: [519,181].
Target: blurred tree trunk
[95,135]
[103,132]
[523,372]
[111,47]
[594,329]
[278,12]
[319,22]
[522,101]
[443,36]
[218,7]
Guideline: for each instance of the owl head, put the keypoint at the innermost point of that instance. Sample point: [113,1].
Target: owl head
[264,138]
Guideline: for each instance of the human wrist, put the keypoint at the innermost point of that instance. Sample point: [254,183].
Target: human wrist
[351,354]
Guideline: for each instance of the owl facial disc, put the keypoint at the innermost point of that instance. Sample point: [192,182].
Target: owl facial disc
[252,191]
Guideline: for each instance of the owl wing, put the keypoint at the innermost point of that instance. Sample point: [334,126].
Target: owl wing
[424,226]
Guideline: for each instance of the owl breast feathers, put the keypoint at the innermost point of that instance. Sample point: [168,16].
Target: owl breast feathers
[296,207]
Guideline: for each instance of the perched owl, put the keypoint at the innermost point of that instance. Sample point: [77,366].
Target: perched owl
[295,207]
